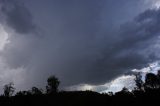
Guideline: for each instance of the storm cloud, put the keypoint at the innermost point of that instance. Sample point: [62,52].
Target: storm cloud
[17,16]
[79,41]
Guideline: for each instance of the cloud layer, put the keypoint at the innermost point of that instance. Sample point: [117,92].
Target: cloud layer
[78,41]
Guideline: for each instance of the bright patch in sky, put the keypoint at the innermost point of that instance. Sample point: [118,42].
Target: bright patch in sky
[157,4]
[154,3]
[120,82]
[3,37]
[128,80]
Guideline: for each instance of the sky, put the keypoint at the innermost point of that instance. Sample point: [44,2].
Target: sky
[84,43]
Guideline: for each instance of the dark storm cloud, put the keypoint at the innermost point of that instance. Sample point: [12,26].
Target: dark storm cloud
[78,45]
[131,46]
[17,16]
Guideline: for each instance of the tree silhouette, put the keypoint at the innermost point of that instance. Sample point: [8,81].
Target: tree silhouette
[53,84]
[123,93]
[151,81]
[138,81]
[23,93]
[125,97]
[158,73]
[8,89]
[36,91]
[158,77]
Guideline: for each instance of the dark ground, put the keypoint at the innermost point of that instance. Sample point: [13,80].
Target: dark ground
[84,98]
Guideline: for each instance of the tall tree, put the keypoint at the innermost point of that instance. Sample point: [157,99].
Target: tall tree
[9,89]
[53,84]
[158,76]
[138,81]
[151,81]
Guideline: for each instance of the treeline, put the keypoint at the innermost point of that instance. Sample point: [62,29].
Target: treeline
[147,91]
[51,88]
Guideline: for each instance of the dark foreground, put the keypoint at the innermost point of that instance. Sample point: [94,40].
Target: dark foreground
[85,98]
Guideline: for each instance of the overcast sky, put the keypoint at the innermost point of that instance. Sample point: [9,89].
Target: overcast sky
[79,41]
